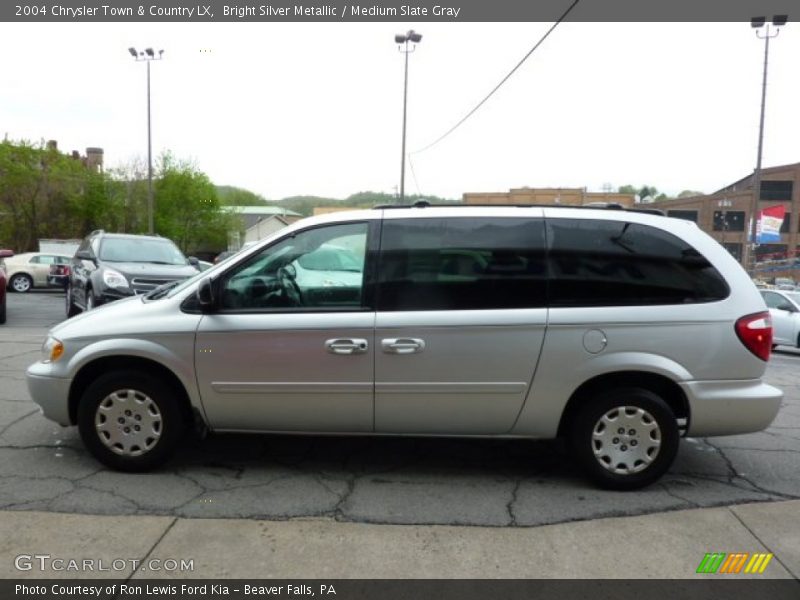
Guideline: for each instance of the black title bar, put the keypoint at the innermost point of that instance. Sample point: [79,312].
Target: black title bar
[411,11]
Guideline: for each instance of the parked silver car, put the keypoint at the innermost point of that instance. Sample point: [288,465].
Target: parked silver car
[784,307]
[31,270]
[618,330]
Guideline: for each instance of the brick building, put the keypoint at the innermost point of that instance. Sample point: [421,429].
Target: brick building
[562,196]
[725,214]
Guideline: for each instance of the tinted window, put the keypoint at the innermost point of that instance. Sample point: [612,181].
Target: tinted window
[613,263]
[462,264]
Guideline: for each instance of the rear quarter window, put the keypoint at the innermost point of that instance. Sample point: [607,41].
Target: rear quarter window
[617,263]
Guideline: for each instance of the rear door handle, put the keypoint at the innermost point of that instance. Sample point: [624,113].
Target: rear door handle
[403,345]
[346,346]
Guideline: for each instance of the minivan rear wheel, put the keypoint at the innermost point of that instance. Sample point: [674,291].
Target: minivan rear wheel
[130,420]
[625,438]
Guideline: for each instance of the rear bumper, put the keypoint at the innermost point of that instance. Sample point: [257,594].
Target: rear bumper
[730,407]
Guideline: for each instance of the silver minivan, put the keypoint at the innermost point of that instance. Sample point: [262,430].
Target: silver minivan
[618,330]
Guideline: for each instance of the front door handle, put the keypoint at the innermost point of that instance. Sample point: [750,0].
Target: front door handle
[346,346]
[403,345]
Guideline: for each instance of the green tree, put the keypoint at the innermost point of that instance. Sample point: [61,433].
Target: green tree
[44,194]
[236,196]
[187,208]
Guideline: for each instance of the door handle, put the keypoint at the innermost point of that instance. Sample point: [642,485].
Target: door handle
[403,345]
[346,346]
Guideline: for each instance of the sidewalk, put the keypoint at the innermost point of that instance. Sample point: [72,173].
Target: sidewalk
[665,545]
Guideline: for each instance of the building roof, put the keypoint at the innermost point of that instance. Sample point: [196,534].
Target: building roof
[261,210]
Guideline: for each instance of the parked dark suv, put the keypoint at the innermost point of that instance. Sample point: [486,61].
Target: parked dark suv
[110,266]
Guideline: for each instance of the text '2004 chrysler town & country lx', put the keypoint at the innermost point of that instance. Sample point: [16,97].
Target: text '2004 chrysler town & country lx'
[618,330]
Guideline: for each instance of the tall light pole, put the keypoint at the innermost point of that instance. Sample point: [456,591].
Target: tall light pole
[403,41]
[757,23]
[147,56]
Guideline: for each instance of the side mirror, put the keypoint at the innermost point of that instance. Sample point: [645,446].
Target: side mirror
[205,295]
[192,260]
[787,307]
[84,255]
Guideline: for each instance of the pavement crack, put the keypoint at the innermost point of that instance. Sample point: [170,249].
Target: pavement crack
[734,474]
[512,517]
[153,547]
[763,543]
[677,496]
[17,420]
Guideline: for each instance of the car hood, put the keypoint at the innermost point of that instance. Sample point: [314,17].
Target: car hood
[156,271]
[132,317]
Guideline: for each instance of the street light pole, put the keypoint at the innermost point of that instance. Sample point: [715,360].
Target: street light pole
[757,23]
[148,55]
[404,39]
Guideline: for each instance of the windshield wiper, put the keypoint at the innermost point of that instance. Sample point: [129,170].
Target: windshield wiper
[161,290]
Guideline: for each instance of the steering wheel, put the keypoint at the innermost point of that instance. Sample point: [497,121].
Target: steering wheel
[291,290]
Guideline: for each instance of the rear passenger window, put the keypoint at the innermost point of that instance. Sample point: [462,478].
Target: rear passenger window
[613,263]
[462,264]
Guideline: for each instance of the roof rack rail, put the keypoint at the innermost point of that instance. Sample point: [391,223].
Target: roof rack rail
[591,206]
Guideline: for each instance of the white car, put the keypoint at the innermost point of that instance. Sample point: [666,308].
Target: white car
[785,310]
[31,269]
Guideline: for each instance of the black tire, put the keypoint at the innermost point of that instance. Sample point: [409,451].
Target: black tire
[3,310]
[90,301]
[639,459]
[111,437]
[21,283]
[72,310]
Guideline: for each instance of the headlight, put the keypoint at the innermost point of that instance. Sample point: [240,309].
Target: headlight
[52,349]
[114,279]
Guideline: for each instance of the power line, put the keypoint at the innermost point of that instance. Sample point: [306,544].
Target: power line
[497,87]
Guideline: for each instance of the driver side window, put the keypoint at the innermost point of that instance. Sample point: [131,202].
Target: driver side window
[316,269]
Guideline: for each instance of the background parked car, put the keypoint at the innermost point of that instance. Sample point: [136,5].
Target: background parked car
[31,269]
[785,310]
[59,275]
[3,255]
[111,266]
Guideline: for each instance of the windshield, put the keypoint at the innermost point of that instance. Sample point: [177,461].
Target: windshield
[141,250]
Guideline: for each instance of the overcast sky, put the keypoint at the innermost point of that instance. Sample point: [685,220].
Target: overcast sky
[307,108]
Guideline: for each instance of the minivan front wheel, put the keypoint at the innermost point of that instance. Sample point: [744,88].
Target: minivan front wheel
[625,439]
[130,420]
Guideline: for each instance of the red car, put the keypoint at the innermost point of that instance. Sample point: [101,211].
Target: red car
[3,254]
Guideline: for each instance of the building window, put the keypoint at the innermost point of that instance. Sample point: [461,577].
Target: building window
[787,220]
[771,252]
[734,249]
[776,190]
[732,220]
[686,215]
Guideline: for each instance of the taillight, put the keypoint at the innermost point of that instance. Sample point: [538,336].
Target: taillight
[755,331]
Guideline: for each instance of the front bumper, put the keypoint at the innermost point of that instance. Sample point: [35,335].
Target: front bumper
[730,407]
[50,393]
